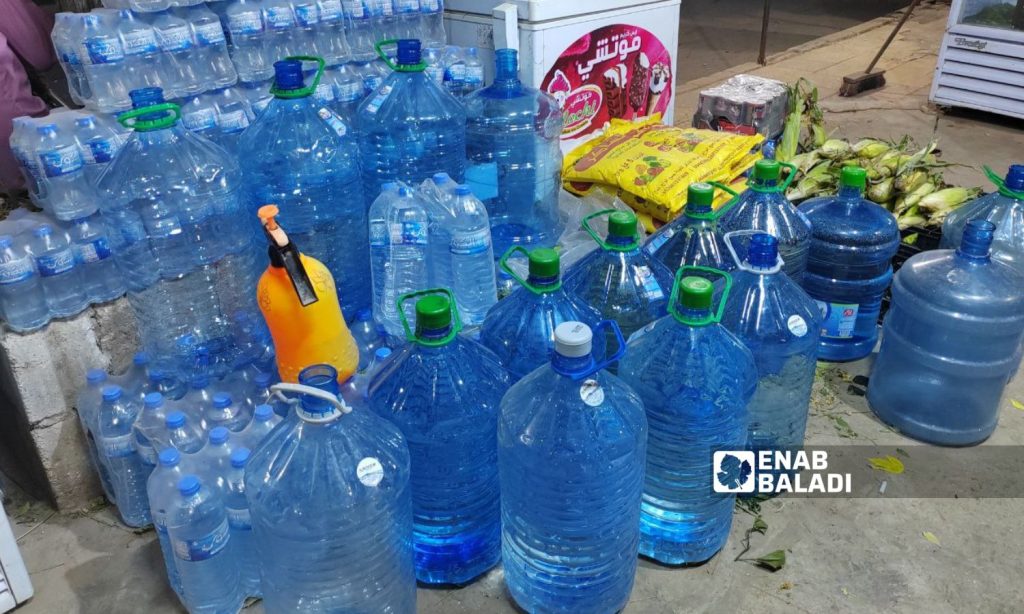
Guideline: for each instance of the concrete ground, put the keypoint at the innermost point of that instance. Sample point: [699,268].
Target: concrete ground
[880,554]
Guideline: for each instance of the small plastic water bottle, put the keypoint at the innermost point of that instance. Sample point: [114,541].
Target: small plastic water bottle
[88,407]
[66,35]
[368,335]
[307,22]
[432,23]
[22,299]
[215,457]
[454,70]
[102,56]
[438,196]
[144,64]
[98,143]
[224,412]
[197,526]
[181,76]
[246,27]
[399,247]
[217,69]
[68,192]
[472,258]
[103,282]
[147,426]
[359,30]
[199,115]
[162,487]
[180,433]
[198,400]
[330,32]
[264,419]
[59,274]
[240,524]
[474,79]
[280,41]
[128,473]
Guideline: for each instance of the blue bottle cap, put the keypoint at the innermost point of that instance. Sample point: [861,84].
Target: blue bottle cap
[146,97]
[43,230]
[221,400]
[1015,177]
[262,379]
[153,400]
[262,413]
[175,419]
[95,376]
[111,393]
[763,252]
[219,435]
[47,129]
[239,457]
[169,457]
[156,375]
[440,179]
[382,353]
[188,485]
[140,359]
[405,192]
[288,74]
[409,52]
[463,190]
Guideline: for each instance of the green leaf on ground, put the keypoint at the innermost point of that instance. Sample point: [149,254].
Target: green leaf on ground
[928,535]
[888,464]
[773,561]
[1017,404]
[759,525]
[843,427]
[902,452]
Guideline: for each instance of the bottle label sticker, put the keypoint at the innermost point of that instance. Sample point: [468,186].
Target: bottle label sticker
[838,319]
[103,49]
[203,119]
[330,10]
[474,75]
[140,41]
[408,233]
[382,8]
[468,243]
[92,251]
[591,393]
[456,73]
[405,7]
[334,122]
[233,121]
[118,447]
[348,91]
[430,6]
[61,161]
[13,271]
[210,34]
[175,38]
[378,233]
[797,325]
[370,472]
[660,239]
[323,93]
[307,14]
[56,263]
[203,548]
[435,72]
[356,9]
[370,85]
[374,105]
[279,17]
[70,57]
[645,278]
[240,24]
[101,151]
[239,520]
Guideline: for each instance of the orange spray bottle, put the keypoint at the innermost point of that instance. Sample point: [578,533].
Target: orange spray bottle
[300,304]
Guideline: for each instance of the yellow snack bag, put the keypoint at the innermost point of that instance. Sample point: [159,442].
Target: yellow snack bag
[652,164]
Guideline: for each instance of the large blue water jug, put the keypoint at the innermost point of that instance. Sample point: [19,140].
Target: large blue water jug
[764,206]
[171,201]
[849,266]
[620,280]
[329,499]
[572,440]
[695,379]
[780,325]
[520,330]
[444,391]
[950,342]
[515,160]
[693,238]
[302,158]
[1004,208]
[410,128]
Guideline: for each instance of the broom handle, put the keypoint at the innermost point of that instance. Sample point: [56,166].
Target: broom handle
[892,35]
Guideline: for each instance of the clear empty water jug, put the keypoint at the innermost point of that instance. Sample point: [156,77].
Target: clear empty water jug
[1004,208]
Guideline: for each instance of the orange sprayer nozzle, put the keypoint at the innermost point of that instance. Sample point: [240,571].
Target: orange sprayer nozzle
[267,213]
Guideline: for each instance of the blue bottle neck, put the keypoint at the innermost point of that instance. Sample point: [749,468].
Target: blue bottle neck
[848,192]
[564,365]
[544,284]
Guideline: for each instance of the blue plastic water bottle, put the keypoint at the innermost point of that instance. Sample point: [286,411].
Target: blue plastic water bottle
[162,486]
[22,300]
[849,265]
[693,238]
[180,433]
[128,474]
[764,206]
[619,280]
[515,161]
[345,545]
[780,325]
[1004,208]
[410,128]
[520,330]
[950,342]
[695,379]
[304,159]
[264,419]
[240,524]
[572,442]
[400,242]
[471,256]
[147,426]
[59,272]
[88,408]
[223,411]
[443,392]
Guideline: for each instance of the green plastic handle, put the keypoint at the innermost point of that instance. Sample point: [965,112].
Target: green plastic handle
[782,187]
[410,335]
[302,92]
[713,317]
[585,223]
[143,125]
[503,263]
[715,215]
[379,46]
[1001,184]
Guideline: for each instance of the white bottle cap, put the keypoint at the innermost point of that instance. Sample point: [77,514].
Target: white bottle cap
[573,339]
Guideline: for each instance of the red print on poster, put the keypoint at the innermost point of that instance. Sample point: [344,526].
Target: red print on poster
[617,71]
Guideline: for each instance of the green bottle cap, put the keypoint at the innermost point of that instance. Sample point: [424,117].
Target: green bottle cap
[433,313]
[622,224]
[544,263]
[767,170]
[700,196]
[696,293]
[854,177]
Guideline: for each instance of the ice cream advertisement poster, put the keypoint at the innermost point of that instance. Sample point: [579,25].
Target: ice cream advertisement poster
[617,71]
